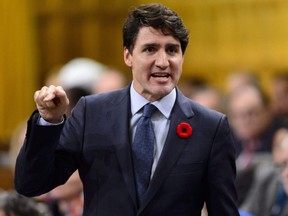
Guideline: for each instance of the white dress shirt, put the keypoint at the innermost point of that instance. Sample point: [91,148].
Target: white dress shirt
[160,119]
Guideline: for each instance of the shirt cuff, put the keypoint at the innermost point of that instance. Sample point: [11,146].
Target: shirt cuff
[43,122]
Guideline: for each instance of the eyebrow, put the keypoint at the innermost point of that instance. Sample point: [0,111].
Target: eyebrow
[156,44]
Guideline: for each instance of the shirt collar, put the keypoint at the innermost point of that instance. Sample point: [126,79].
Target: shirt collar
[164,105]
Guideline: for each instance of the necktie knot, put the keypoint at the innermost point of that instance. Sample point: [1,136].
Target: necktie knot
[149,109]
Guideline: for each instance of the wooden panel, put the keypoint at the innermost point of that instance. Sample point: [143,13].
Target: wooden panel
[224,35]
[80,29]
[17,65]
[227,35]
[6,177]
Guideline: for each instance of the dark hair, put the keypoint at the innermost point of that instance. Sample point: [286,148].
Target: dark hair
[156,16]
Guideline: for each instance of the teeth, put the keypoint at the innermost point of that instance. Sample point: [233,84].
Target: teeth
[160,75]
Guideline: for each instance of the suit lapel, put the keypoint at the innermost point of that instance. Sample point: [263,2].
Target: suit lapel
[120,116]
[173,147]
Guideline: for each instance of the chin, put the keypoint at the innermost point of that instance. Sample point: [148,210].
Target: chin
[161,94]
[160,91]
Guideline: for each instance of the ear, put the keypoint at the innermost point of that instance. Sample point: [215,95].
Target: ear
[127,57]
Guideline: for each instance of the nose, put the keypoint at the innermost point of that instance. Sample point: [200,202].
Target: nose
[162,60]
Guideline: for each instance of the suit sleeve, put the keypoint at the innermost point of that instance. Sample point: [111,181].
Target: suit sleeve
[221,193]
[48,156]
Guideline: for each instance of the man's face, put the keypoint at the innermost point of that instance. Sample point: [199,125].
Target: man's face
[247,114]
[156,63]
[284,165]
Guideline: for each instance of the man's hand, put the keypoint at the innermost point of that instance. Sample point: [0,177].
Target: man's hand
[51,103]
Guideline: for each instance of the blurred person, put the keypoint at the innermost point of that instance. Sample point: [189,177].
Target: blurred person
[14,204]
[279,96]
[188,151]
[280,141]
[280,154]
[254,128]
[66,199]
[252,123]
[109,80]
[210,97]
[238,78]
[80,72]
[188,85]
[268,193]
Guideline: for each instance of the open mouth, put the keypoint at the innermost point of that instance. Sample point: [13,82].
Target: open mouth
[160,75]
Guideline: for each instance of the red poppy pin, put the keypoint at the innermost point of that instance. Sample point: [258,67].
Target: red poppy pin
[184,130]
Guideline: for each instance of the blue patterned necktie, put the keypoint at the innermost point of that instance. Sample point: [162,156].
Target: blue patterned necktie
[142,150]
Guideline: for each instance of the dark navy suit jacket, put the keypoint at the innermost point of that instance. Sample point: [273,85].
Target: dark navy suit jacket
[96,141]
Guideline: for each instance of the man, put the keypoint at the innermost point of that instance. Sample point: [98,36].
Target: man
[193,158]
[279,96]
[254,128]
[252,123]
[268,194]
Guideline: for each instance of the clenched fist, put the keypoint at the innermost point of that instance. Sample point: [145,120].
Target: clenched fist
[51,103]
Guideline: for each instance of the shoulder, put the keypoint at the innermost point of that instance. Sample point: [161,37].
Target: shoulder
[113,97]
[193,108]
[99,103]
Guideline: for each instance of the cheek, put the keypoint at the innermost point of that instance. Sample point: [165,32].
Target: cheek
[179,74]
[176,71]
[177,62]
[140,65]
[139,76]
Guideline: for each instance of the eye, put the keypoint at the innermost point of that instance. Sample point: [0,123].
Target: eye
[173,49]
[149,49]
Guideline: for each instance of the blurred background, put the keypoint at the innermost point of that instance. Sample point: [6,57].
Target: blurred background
[39,37]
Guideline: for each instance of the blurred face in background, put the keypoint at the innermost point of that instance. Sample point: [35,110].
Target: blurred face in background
[248,115]
[280,154]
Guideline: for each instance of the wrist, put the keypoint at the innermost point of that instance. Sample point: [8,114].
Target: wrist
[46,122]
